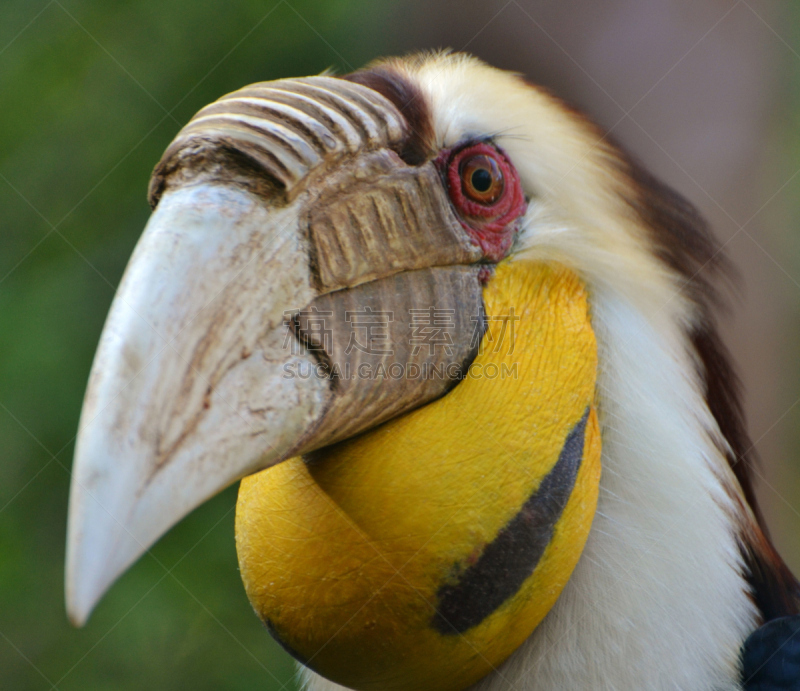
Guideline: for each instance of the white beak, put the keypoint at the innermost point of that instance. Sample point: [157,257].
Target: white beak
[189,371]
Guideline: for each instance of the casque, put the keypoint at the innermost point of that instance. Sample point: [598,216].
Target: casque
[462,350]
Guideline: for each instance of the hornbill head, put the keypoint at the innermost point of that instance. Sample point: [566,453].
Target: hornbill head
[424,293]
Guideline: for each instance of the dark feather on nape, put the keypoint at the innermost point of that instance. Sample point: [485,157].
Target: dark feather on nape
[774,589]
[407,97]
[722,392]
[682,240]
[680,234]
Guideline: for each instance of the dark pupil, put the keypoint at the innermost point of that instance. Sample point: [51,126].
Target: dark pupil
[481,180]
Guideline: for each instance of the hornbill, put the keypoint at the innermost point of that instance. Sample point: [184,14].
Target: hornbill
[461,350]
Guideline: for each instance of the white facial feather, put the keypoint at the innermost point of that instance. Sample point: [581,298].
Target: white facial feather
[658,599]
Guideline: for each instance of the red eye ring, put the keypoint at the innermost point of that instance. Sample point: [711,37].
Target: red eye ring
[490,204]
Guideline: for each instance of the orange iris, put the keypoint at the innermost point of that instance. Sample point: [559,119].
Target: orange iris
[481,179]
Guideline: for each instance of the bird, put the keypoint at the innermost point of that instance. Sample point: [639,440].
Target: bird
[461,350]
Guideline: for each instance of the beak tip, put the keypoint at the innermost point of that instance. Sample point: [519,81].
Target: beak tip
[92,563]
[77,616]
[81,590]
[80,602]
[88,576]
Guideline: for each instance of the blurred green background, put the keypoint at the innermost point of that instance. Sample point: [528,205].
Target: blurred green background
[90,95]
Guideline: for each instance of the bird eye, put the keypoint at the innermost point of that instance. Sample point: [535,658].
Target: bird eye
[482,180]
[483,184]
[486,193]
